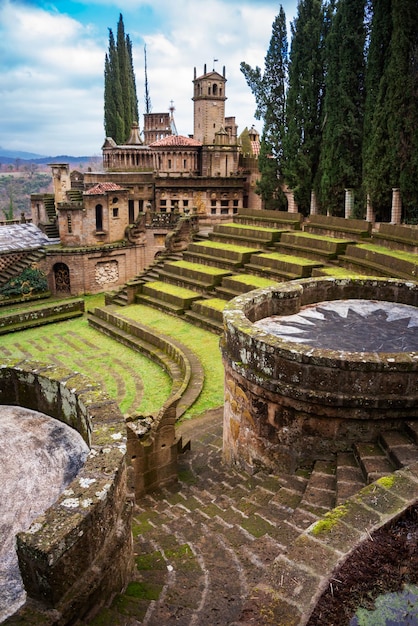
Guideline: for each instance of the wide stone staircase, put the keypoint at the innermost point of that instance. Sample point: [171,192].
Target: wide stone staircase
[260,248]
[203,545]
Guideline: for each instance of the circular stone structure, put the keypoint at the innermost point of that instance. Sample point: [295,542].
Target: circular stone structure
[314,365]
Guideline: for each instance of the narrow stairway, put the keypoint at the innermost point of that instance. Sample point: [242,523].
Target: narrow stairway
[202,544]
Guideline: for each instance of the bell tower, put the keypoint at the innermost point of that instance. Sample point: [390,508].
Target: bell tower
[209,105]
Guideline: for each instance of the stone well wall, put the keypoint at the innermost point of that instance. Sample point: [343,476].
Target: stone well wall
[288,403]
[79,552]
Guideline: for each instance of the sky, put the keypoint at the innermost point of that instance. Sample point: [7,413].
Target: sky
[52,63]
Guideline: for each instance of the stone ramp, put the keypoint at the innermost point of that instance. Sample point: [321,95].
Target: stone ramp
[204,544]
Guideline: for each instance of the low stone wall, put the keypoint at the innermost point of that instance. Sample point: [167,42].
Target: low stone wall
[79,552]
[288,403]
[47,314]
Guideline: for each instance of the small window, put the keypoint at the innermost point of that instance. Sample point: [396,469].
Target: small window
[185,203]
[213,211]
[115,211]
[235,202]
[99,217]
[163,202]
[184,163]
[224,211]
[69,223]
[169,164]
[213,203]
[114,200]
[225,203]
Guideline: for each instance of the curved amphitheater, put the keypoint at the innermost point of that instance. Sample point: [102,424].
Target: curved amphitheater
[222,546]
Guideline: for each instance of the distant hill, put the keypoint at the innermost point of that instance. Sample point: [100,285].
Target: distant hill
[11,156]
[17,154]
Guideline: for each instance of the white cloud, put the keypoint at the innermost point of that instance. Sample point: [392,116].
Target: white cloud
[52,64]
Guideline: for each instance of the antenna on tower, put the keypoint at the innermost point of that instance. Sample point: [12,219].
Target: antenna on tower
[214,61]
[172,122]
[148,106]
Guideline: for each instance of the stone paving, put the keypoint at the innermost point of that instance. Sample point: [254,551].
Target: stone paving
[202,544]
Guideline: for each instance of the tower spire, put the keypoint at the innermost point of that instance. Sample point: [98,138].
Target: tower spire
[148,106]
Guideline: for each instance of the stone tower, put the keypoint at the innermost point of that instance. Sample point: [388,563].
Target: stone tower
[209,105]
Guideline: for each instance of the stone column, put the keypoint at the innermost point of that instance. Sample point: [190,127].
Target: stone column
[396,215]
[314,207]
[349,203]
[292,207]
[370,217]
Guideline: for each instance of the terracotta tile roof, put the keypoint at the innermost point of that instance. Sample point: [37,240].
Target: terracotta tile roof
[175,140]
[102,189]
[255,147]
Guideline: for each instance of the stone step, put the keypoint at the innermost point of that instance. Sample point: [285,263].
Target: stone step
[373,461]
[400,449]
[281,265]
[171,295]
[380,259]
[320,493]
[350,478]
[311,246]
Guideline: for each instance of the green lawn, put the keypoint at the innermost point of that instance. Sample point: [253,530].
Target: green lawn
[202,342]
[135,382]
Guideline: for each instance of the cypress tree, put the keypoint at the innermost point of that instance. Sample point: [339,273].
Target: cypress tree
[269,89]
[340,163]
[392,155]
[120,100]
[304,100]
[376,167]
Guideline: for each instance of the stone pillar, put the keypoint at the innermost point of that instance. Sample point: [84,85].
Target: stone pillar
[292,207]
[314,206]
[396,215]
[349,203]
[370,217]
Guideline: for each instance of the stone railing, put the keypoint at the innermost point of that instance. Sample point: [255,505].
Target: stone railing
[79,552]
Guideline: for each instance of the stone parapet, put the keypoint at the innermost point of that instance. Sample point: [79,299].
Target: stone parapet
[285,402]
[79,552]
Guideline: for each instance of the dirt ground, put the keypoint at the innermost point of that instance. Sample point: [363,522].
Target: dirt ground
[383,564]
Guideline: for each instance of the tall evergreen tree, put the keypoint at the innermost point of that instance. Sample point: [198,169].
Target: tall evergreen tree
[376,166]
[392,156]
[304,100]
[269,90]
[341,150]
[120,100]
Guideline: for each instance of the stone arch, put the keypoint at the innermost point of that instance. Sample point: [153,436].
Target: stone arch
[62,280]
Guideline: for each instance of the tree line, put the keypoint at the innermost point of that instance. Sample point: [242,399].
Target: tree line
[339,108]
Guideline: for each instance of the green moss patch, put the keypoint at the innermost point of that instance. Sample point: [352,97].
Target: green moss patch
[225,246]
[173,290]
[329,520]
[198,267]
[287,258]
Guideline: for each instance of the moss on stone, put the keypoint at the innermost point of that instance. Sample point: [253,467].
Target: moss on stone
[387,481]
[329,520]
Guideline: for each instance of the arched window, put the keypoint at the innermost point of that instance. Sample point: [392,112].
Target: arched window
[215,90]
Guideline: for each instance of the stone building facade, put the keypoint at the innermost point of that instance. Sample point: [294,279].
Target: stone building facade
[112,223]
